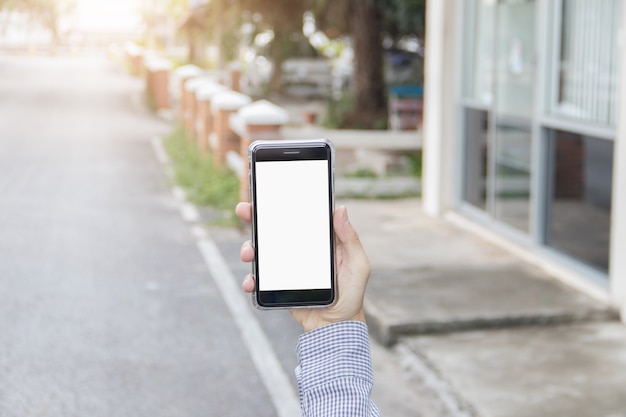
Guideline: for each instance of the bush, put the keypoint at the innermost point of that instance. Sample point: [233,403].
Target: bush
[340,114]
[194,171]
[337,110]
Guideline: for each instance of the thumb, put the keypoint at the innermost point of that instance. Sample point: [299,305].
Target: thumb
[345,233]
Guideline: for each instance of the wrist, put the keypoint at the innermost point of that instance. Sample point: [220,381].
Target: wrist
[316,323]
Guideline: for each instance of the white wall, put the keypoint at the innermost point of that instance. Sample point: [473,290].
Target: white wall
[440,115]
[617,270]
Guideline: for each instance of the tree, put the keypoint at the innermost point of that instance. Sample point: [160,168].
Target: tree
[46,12]
[284,18]
[219,21]
[369,82]
[404,17]
[368,23]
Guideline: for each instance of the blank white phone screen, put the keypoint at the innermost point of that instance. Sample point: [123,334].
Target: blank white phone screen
[293,225]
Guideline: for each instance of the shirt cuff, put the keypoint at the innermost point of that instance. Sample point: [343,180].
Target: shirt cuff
[338,350]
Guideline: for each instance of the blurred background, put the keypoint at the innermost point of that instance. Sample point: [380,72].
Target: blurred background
[301,48]
[480,149]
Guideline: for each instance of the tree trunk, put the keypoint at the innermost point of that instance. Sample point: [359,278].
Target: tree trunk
[366,29]
[192,47]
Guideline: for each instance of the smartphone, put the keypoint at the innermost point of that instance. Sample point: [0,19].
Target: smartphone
[292,196]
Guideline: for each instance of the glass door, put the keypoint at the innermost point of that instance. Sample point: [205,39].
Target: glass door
[498,117]
[513,109]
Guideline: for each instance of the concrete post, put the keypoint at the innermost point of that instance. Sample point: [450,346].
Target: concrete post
[134,55]
[222,138]
[617,267]
[157,82]
[204,116]
[177,88]
[191,86]
[234,74]
[440,113]
[262,121]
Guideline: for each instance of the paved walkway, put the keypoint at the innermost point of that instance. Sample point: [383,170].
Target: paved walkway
[492,335]
[431,276]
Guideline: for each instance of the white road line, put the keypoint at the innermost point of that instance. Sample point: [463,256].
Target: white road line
[263,356]
[189,212]
[161,155]
[265,360]
[179,194]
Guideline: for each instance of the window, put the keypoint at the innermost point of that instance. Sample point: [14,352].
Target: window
[480,44]
[579,198]
[476,154]
[512,173]
[499,109]
[586,71]
[570,159]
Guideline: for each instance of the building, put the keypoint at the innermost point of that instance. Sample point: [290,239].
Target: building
[525,131]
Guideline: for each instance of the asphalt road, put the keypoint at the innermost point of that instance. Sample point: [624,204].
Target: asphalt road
[106,305]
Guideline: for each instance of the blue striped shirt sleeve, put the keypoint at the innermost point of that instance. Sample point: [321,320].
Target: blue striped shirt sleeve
[334,374]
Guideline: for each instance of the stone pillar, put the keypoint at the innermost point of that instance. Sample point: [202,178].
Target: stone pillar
[177,88]
[617,268]
[204,116]
[262,121]
[134,56]
[441,153]
[234,75]
[189,98]
[157,82]
[222,139]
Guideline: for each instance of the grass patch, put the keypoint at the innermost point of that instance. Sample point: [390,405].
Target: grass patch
[362,173]
[341,114]
[194,171]
[415,163]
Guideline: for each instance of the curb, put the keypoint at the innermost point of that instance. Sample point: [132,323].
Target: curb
[387,332]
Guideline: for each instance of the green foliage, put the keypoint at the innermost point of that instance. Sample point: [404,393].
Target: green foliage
[415,163]
[46,12]
[404,17]
[362,173]
[340,114]
[337,110]
[279,15]
[176,8]
[380,123]
[194,171]
[230,44]
[178,62]
[400,17]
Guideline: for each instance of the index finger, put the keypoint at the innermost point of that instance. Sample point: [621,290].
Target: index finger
[244,211]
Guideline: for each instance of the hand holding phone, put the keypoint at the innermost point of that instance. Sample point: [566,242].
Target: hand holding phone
[353,270]
[292,195]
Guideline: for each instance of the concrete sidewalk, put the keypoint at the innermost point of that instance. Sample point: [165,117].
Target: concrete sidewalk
[501,337]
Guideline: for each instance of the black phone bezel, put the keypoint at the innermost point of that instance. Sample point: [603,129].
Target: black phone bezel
[318,150]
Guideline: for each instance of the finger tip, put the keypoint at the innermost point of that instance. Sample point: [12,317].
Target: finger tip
[248,284]
[243,211]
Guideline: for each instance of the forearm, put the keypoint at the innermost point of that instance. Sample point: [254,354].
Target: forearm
[335,374]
